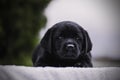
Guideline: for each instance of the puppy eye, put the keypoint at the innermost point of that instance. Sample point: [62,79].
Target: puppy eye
[60,37]
[77,38]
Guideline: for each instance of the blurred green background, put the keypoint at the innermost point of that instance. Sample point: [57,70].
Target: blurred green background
[20,23]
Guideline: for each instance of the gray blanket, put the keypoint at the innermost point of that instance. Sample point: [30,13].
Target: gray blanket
[52,73]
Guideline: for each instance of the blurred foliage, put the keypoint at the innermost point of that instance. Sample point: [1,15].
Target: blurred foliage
[20,23]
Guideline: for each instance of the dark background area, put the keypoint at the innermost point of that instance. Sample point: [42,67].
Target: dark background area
[20,23]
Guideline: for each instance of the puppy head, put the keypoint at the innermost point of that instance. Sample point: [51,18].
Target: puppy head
[66,40]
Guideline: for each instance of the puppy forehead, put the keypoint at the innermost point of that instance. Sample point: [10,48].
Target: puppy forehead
[70,29]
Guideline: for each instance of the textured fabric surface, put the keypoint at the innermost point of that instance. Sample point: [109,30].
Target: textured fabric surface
[53,73]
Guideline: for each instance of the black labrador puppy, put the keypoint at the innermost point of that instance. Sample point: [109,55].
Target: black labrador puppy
[66,44]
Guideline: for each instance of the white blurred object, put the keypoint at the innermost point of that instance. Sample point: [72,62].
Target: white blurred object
[99,17]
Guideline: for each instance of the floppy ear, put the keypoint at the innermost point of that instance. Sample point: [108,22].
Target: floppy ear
[87,44]
[47,41]
[43,49]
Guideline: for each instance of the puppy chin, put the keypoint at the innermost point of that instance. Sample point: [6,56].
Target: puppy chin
[70,55]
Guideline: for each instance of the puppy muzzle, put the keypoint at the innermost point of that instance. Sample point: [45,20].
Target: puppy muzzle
[70,51]
[70,47]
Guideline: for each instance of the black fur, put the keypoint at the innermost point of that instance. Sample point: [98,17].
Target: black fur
[66,44]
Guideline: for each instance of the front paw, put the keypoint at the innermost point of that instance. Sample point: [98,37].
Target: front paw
[80,65]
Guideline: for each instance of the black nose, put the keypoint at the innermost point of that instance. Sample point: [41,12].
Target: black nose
[70,47]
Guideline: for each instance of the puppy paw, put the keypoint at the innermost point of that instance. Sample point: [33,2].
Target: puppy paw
[80,65]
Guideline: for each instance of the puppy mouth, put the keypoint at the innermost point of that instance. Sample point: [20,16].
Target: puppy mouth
[69,51]
[70,54]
